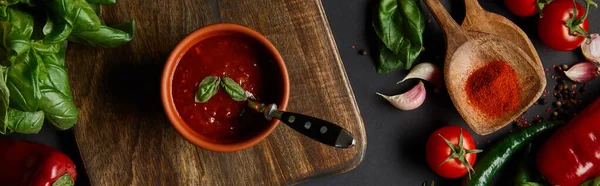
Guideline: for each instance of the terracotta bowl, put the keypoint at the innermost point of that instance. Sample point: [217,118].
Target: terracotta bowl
[192,39]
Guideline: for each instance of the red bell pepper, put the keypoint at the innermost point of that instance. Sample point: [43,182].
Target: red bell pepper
[572,154]
[24,163]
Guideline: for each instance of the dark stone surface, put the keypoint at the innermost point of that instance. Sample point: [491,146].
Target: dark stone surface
[396,139]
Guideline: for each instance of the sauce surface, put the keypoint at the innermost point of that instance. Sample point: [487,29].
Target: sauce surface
[221,119]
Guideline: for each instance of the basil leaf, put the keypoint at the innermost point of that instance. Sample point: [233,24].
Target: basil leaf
[97,8]
[77,13]
[235,91]
[207,88]
[12,2]
[56,29]
[64,180]
[3,10]
[25,122]
[57,99]
[388,61]
[102,1]
[4,97]
[16,29]
[106,37]
[400,25]
[23,82]
[42,48]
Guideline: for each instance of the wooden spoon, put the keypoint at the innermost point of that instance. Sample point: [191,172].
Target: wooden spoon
[467,51]
[477,19]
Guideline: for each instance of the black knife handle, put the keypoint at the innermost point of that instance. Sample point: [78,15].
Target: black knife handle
[319,130]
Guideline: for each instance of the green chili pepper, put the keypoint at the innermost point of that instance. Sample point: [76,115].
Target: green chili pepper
[525,175]
[500,153]
[523,172]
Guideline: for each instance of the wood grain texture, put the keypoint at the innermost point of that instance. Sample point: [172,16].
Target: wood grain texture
[469,50]
[478,19]
[125,138]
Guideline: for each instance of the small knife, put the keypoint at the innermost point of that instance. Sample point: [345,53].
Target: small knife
[317,129]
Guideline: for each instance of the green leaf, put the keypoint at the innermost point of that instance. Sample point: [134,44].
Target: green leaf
[592,182]
[530,184]
[77,13]
[102,1]
[106,37]
[57,99]
[400,25]
[207,88]
[235,91]
[25,122]
[64,180]
[97,8]
[16,29]
[42,48]
[3,10]
[388,61]
[23,82]
[4,98]
[56,29]
[12,2]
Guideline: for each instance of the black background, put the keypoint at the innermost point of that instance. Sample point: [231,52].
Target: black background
[396,139]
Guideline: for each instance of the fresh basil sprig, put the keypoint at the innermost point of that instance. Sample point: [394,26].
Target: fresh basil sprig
[33,73]
[107,37]
[400,25]
[24,122]
[235,91]
[57,99]
[207,88]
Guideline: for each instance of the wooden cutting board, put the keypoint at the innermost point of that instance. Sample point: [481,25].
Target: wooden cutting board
[125,138]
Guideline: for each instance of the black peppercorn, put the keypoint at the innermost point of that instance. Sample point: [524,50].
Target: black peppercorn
[561,81]
[362,52]
[559,87]
[557,104]
[542,101]
[566,104]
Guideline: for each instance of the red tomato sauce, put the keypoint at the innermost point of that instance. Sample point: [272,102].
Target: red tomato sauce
[221,119]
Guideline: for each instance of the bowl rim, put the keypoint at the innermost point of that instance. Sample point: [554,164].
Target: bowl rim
[169,70]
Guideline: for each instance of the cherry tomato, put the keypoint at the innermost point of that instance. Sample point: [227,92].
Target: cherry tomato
[523,8]
[438,151]
[552,29]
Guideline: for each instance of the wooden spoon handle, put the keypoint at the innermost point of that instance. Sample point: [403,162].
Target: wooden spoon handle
[473,8]
[446,22]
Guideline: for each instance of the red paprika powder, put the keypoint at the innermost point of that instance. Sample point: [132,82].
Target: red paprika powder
[494,89]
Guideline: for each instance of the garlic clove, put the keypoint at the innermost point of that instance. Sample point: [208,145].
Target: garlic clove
[583,72]
[591,48]
[426,71]
[409,100]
